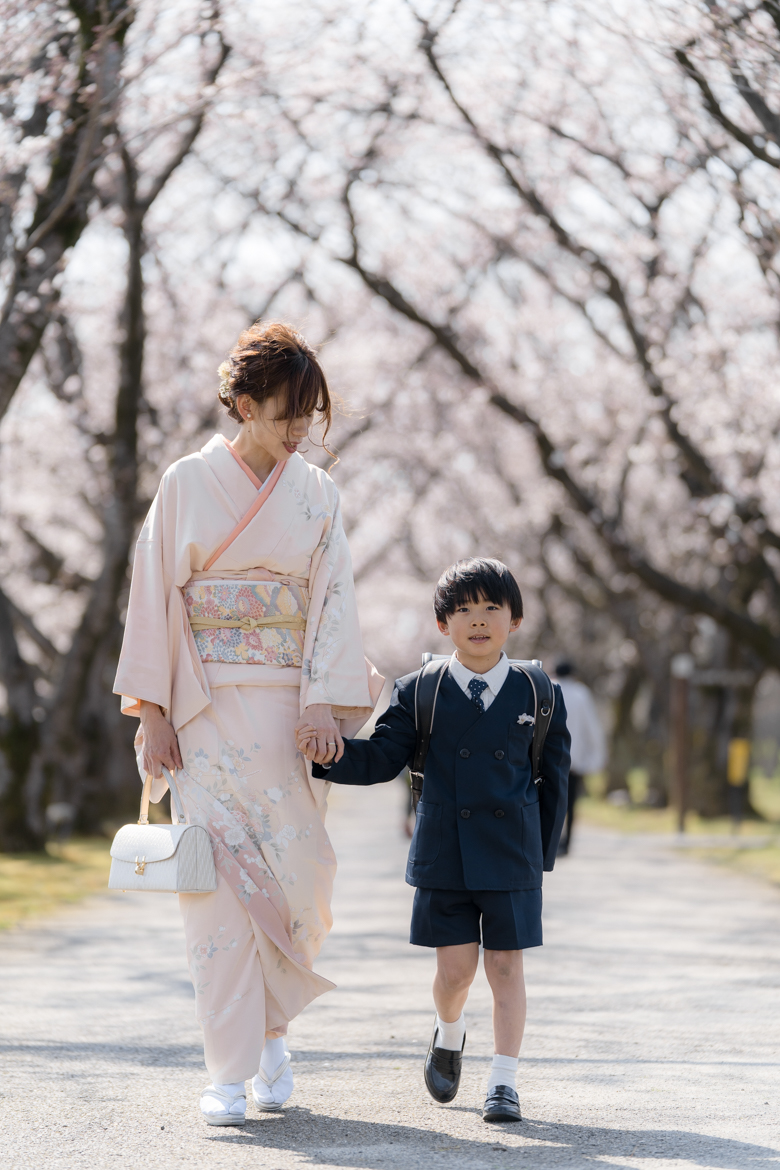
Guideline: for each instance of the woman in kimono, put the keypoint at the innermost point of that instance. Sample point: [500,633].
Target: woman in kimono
[242,617]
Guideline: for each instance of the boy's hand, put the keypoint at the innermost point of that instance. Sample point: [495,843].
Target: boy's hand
[303,735]
[317,735]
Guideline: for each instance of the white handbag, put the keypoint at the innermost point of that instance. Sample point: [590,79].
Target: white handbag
[171,859]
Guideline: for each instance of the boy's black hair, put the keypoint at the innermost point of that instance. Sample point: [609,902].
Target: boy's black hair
[476,579]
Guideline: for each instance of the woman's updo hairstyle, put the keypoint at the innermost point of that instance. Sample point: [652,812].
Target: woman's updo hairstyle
[271,359]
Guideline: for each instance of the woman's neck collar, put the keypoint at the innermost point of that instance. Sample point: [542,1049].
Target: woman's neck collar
[257,459]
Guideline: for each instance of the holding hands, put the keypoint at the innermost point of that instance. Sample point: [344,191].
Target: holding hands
[317,735]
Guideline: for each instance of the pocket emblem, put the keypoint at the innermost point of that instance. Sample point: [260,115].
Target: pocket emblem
[526,719]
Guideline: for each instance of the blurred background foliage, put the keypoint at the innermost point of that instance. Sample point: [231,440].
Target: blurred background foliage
[538,242]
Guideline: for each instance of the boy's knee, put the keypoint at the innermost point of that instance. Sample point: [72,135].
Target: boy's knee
[504,964]
[455,977]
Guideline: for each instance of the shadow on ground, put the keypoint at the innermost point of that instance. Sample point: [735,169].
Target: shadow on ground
[328,1140]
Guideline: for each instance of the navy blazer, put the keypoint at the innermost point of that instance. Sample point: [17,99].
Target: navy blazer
[482,823]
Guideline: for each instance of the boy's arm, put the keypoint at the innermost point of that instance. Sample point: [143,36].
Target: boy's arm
[553,793]
[389,750]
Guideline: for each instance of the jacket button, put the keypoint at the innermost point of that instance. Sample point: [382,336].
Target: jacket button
[464,753]
[499,755]
[499,812]
[465,813]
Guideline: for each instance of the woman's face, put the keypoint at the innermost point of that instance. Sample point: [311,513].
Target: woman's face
[279,437]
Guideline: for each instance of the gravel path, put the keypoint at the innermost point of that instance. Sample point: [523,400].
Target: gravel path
[653,1036]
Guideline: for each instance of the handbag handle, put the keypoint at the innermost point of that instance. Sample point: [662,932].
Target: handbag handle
[147,791]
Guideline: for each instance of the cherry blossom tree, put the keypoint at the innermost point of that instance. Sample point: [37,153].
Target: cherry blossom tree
[538,242]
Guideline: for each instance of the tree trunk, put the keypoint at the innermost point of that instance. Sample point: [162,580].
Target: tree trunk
[81,753]
[626,745]
[18,740]
[62,207]
[74,747]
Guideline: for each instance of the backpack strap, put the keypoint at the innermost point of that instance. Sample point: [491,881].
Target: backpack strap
[544,705]
[426,691]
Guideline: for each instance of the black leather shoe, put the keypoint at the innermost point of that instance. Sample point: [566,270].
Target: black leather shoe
[442,1070]
[502,1104]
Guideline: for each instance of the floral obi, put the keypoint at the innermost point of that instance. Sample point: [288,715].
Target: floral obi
[247,620]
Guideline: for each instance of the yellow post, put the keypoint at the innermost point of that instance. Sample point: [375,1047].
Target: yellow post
[737,771]
[738,762]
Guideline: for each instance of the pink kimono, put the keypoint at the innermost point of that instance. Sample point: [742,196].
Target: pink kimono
[241,614]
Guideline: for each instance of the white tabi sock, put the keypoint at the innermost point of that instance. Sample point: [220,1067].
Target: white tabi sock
[274,1052]
[450,1036]
[231,1090]
[272,1087]
[503,1071]
[214,1106]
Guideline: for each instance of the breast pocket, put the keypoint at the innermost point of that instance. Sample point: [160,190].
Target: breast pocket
[426,841]
[519,743]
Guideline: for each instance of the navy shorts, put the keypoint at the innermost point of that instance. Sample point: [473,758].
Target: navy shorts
[511,920]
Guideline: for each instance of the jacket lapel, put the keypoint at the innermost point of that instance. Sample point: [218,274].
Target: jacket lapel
[459,705]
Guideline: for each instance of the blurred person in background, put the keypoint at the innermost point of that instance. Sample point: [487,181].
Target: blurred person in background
[241,619]
[588,744]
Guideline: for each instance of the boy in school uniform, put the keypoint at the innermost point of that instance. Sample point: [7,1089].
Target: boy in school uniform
[481,840]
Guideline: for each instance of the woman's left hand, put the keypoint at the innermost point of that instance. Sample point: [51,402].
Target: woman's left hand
[317,735]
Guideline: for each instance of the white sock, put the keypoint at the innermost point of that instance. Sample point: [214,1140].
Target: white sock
[503,1071]
[231,1090]
[211,1105]
[272,1058]
[274,1052]
[450,1035]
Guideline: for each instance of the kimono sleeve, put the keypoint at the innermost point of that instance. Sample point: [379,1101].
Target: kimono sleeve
[144,670]
[335,671]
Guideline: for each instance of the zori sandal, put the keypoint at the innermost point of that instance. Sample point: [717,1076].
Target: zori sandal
[271,1092]
[220,1107]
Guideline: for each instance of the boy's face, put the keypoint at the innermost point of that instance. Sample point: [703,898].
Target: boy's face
[479,630]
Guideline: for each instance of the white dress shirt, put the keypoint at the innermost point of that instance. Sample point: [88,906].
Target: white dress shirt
[494,678]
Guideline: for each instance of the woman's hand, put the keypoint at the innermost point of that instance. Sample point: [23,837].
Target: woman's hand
[317,735]
[160,743]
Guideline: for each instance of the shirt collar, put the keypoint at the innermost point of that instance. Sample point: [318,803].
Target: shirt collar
[494,678]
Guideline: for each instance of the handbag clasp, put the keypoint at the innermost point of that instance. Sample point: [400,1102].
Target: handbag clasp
[140,866]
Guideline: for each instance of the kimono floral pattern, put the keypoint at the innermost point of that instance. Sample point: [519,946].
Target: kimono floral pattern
[316,668]
[328,635]
[262,844]
[306,507]
[237,600]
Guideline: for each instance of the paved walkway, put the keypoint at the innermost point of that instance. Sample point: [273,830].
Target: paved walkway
[653,1037]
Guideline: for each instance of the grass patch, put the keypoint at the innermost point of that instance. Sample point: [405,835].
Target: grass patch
[36,884]
[765,794]
[636,819]
[761,861]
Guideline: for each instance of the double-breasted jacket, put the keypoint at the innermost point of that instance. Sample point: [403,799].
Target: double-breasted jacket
[482,822]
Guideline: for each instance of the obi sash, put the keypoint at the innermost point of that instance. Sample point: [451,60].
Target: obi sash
[254,617]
